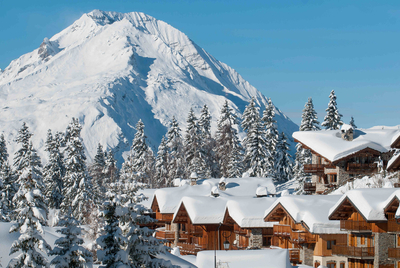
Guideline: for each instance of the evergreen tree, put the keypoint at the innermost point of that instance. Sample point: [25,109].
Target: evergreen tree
[53,172]
[283,162]
[7,183]
[77,189]
[256,153]
[110,170]
[228,149]
[112,253]
[31,214]
[332,119]
[352,123]
[208,143]
[195,156]
[176,167]
[162,165]
[69,251]
[271,135]
[309,119]
[23,138]
[96,172]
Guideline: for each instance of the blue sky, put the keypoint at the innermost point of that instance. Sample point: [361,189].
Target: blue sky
[289,50]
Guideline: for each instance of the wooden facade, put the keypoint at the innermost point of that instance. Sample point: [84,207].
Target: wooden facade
[293,235]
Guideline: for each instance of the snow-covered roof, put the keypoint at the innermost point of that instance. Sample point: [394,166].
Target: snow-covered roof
[330,144]
[394,139]
[168,199]
[346,127]
[393,160]
[203,209]
[311,210]
[249,212]
[370,203]
[267,258]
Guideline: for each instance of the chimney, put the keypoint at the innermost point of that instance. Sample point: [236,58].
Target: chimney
[193,178]
[261,191]
[222,184]
[347,132]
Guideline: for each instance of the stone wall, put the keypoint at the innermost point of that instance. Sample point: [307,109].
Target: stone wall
[383,241]
[307,254]
[256,238]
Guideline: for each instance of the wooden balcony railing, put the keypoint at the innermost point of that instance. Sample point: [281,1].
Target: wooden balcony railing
[196,231]
[360,252]
[303,237]
[294,256]
[314,168]
[183,235]
[186,248]
[310,187]
[358,167]
[169,235]
[282,230]
[394,253]
[355,225]
[393,226]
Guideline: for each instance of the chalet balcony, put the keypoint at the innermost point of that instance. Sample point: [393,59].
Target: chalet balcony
[294,256]
[358,226]
[196,231]
[361,168]
[354,252]
[164,217]
[303,237]
[168,235]
[394,253]
[310,187]
[393,226]
[186,248]
[282,230]
[314,168]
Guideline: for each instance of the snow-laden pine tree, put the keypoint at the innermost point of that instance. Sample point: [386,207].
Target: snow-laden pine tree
[77,189]
[283,162]
[332,119]
[7,183]
[309,119]
[140,163]
[352,123]
[111,171]
[228,148]
[31,214]
[113,243]
[69,251]
[208,143]
[161,176]
[255,143]
[23,138]
[53,172]
[271,135]
[195,156]
[96,172]
[176,168]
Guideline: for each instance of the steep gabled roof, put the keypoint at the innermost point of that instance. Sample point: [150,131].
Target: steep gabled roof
[330,145]
[311,210]
[370,203]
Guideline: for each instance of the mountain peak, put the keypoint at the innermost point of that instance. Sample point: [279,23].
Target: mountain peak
[111,69]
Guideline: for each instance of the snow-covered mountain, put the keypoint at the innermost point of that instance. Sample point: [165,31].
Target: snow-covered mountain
[109,70]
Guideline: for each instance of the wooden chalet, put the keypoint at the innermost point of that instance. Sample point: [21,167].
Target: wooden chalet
[304,228]
[370,234]
[341,155]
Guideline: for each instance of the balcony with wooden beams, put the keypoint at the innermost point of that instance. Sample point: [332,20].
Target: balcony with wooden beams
[314,168]
[294,256]
[394,253]
[355,226]
[361,167]
[187,248]
[167,235]
[354,252]
[303,237]
[282,230]
[310,187]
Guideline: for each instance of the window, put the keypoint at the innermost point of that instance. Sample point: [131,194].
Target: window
[362,242]
[332,178]
[330,244]
[331,265]
[342,265]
